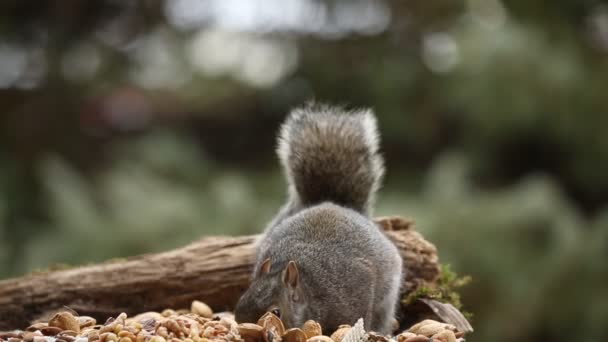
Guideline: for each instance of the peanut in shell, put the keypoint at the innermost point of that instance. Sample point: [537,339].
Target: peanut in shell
[418,338]
[65,321]
[312,329]
[339,334]
[270,322]
[251,332]
[445,336]
[201,309]
[320,338]
[294,335]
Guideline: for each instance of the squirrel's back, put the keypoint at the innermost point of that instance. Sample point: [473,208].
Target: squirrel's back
[322,257]
[330,154]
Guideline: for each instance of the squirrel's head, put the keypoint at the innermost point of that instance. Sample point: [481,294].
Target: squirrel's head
[275,290]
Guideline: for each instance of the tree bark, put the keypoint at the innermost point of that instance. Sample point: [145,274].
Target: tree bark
[214,270]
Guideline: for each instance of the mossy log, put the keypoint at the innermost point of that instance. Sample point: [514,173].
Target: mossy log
[214,270]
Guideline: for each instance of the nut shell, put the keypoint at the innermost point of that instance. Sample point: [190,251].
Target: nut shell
[270,322]
[68,333]
[404,336]
[429,327]
[445,336]
[414,328]
[50,331]
[294,335]
[320,338]
[65,321]
[377,337]
[37,326]
[168,313]
[251,332]
[339,334]
[201,309]
[418,338]
[86,321]
[312,329]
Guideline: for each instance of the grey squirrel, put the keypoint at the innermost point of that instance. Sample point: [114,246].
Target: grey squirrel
[322,257]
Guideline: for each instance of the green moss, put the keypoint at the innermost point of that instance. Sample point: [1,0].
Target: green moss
[444,290]
[52,268]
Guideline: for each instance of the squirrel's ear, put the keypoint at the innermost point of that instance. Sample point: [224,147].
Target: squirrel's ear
[291,274]
[265,268]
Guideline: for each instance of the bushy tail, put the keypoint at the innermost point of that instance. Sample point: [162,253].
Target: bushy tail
[330,154]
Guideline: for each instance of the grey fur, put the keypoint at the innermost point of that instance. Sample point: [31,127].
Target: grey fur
[330,154]
[347,268]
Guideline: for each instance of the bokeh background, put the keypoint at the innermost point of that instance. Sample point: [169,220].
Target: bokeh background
[137,126]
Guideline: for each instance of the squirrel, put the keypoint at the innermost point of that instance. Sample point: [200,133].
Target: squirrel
[322,257]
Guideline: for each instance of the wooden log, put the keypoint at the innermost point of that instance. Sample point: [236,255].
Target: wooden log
[214,270]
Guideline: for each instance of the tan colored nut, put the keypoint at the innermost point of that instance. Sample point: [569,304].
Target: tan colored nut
[107,337]
[118,328]
[294,335]
[147,315]
[92,334]
[37,326]
[127,334]
[201,309]
[65,338]
[162,331]
[251,332]
[50,331]
[404,336]
[28,336]
[137,326]
[168,313]
[445,336]
[121,318]
[229,323]
[158,339]
[68,333]
[312,329]
[39,339]
[414,328]
[172,326]
[418,338]
[125,339]
[377,337]
[339,334]
[65,321]
[86,321]
[107,328]
[270,322]
[431,329]
[320,338]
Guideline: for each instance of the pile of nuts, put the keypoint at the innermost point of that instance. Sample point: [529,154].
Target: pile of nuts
[199,324]
[429,330]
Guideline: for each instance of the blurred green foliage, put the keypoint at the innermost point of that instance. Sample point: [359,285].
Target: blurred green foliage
[132,127]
